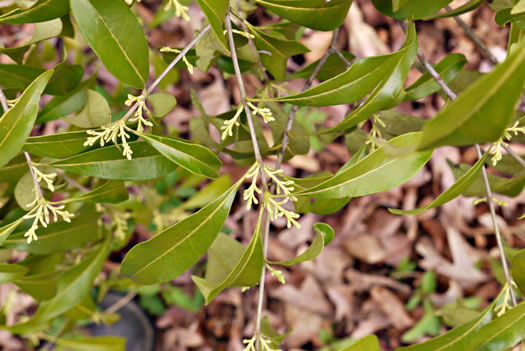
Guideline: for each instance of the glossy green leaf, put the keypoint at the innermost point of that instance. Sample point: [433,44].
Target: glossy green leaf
[231,264]
[448,69]
[396,4]
[470,118]
[162,104]
[41,286]
[375,173]
[66,78]
[192,157]
[41,11]
[93,343]
[334,66]
[502,333]
[368,343]
[451,193]
[324,234]
[24,197]
[96,112]
[7,229]
[506,15]
[59,236]
[59,145]
[114,33]
[108,163]
[16,124]
[316,14]
[72,287]
[415,9]
[455,339]
[380,76]
[467,7]
[211,192]
[111,192]
[172,251]
[10,272]
[18,76]
[518,270]
[42,31]
[397,123]
[281,49]
[215,12]
[511,187]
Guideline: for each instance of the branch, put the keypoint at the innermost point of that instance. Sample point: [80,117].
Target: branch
[486,183]
[514,155]
[475,38]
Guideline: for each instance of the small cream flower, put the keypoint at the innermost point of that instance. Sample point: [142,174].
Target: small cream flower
[184,59]
[249,194]
[227,128]
[41,212]
[48,178]
[180,10]
[265,112]
[276,273]
[507,135]
[139,117]
[111,133]
[241,33]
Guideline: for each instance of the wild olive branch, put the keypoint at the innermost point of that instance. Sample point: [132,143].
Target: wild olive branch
[452,95]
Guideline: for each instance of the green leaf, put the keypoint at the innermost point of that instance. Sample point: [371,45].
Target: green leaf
[518,270]
[281,50]
[396,4]
[96,112]
[448,69]
[380,76]
[73,286]
[324,234]
[108,163]
[211,192]
[41,11]
[59,236]
[231,264]
[59,145]
[470,118]
[467,7]
[502,333]
[93,343]
[368,343]
[7,229]
[162,104]
[42,31]
[115,35]
[451,193]
[215,12]
[194,158]
[16,124]
[172,251]
[18,76]
[111,192]
[334,66]
[10,272]
[375,173]
[41,286]
[316,14]
[415,9]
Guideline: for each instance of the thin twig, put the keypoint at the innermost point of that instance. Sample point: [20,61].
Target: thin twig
[307,85]
[514,155]
[168,69]
[341,56]
[3,101]
[262,74]
[242,91]
[121,302]
[474,38]
[488,189]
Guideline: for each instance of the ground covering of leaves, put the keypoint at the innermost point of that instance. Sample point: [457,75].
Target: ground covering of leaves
[371,278]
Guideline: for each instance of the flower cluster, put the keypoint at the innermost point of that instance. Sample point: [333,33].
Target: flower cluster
[180,10]
[227,128]
[47,178]
[265,343]
[111,133]
[507,135]
[241,33]
[264,112]
[284,193]
[505,304]
[277,274]
[249,194]
[484,199]
[141,108]
[375,133]
[184,59]
[41,212]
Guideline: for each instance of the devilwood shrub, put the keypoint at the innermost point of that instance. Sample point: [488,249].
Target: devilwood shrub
[65,198]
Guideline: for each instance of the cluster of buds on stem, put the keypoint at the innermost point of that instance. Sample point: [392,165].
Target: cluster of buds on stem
[507,135]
